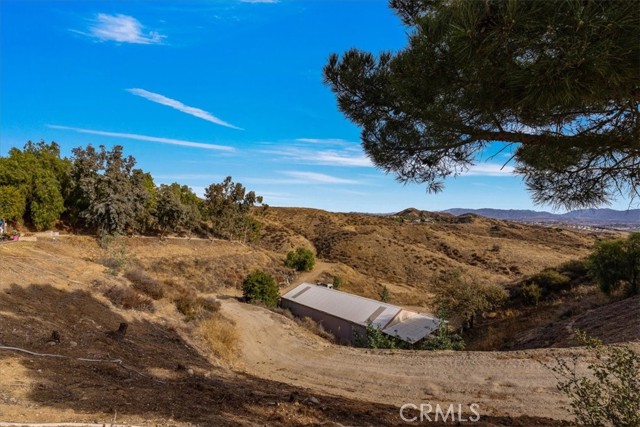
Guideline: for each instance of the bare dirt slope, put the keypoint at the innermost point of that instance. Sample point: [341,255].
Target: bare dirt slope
[616,322]
[511,383]
[378,251]
[162,374]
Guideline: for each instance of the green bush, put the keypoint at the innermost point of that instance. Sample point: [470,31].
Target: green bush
[574,268]
[375,338]
[301,259]
[609,395]
[531,293]
[550,280]
[337,282]
[384,294]
[261,287]
[116,255]
[443,339]
[616,263]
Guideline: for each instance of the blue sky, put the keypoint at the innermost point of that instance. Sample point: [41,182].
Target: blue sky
[197,91]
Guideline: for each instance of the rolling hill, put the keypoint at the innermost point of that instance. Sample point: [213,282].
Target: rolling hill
[590,217]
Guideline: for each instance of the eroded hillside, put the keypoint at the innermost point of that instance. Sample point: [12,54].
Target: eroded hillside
[405,255]
[169,370]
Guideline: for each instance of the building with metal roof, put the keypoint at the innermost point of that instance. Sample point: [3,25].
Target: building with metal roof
[347,315]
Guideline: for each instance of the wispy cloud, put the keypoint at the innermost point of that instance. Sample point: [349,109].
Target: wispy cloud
[326,141]
[137,137]
[318,178]
[259,1]
[489,169]
[193,111]
[349,157]
[121,29]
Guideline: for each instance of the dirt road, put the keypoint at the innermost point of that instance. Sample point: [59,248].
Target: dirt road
[505,383]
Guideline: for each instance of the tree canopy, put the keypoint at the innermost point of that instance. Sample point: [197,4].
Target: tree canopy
[33,184]
[99,189]
[111,191]
[229,204]
[556,83]
[465,299]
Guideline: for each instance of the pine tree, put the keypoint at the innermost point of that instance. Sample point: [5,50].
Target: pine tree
[554,83]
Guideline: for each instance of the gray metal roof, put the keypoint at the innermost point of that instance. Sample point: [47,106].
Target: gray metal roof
[392,320]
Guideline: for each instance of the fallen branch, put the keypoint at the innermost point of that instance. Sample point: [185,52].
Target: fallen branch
[118,362]
[33,353]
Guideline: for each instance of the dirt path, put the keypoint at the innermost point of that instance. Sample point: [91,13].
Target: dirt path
[513,383]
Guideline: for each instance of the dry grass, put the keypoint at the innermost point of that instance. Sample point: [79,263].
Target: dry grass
[128,299]
[221,335]
[305,322]
[385,251]
[145,283]
[195,307]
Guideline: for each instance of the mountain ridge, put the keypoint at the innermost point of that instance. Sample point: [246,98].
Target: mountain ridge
[596,217]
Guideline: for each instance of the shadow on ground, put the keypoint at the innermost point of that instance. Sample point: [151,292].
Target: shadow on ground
[162,377]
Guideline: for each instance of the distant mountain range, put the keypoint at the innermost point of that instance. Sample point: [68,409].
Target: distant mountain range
[593,217]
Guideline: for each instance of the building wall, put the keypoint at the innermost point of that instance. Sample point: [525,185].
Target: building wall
[341,328]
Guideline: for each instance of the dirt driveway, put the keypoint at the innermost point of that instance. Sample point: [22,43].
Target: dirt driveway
[502,383]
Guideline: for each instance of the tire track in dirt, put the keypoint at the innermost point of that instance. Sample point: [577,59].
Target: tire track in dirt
[502,383]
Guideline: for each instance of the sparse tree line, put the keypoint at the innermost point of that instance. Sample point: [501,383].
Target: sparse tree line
[101,190]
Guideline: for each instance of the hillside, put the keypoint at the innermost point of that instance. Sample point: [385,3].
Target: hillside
[373,251]
[629,219]
[246,365]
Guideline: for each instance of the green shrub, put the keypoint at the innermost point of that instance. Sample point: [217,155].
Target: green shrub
[116,255]
[531,293]
[384,294]
[550,280]
[443,339]
[301,259]
[375,338]
[261,287]
[616,263]
[609,395]
[337,282]
[574,269]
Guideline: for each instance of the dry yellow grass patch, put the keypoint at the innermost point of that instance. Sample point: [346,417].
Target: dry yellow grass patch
[221,335]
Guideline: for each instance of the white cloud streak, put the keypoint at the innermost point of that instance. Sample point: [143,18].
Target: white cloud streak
[318,178]
[137,137]
[323,157]
[489,169]
[175,104]
[327,141]
[122,29]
